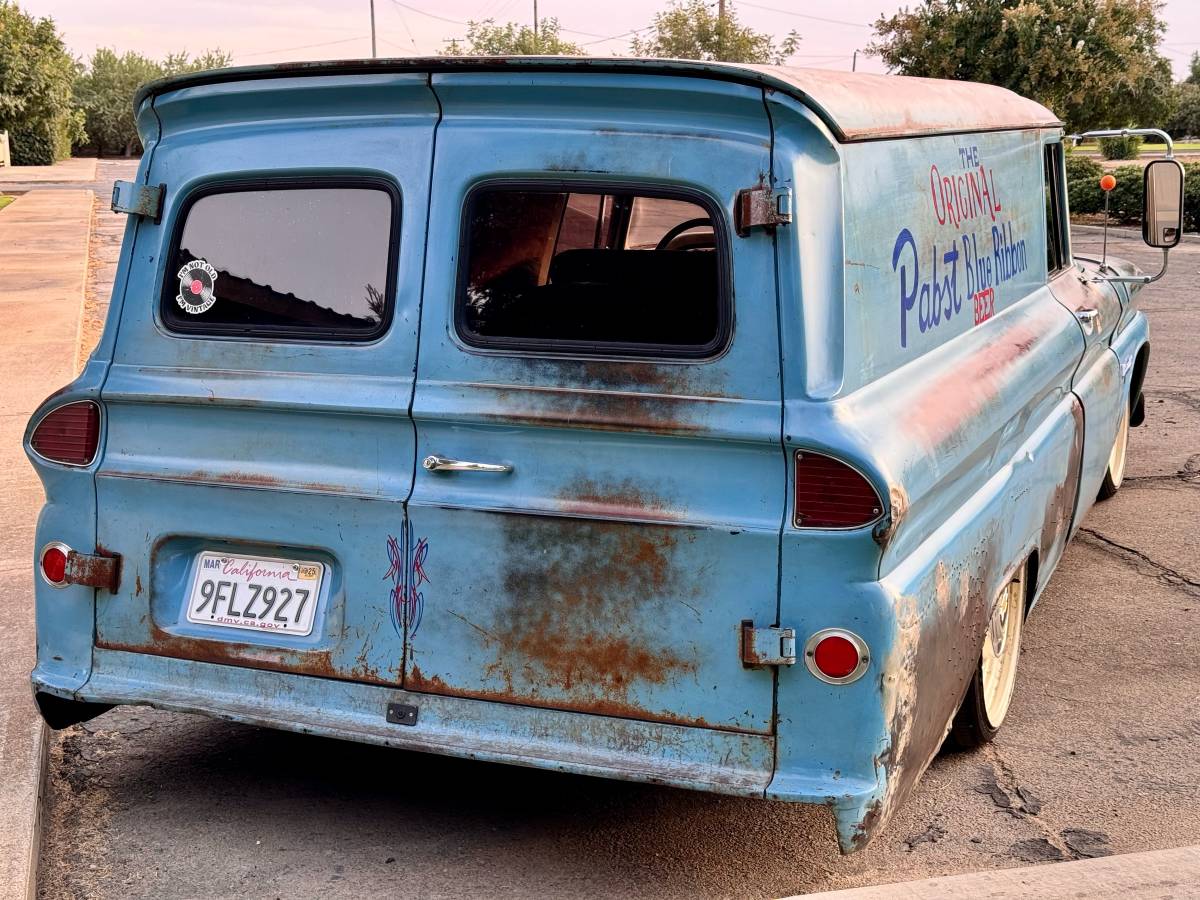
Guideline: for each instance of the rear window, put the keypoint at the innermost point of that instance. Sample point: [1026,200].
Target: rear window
[611,272]
[303,262]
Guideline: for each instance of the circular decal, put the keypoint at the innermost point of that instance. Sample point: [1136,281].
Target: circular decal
[197,282]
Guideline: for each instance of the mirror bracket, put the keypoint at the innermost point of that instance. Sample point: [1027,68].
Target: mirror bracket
[1134,279]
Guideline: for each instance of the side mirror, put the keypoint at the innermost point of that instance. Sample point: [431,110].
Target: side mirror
[1162,204]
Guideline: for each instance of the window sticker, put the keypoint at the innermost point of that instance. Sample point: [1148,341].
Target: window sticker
[197,286]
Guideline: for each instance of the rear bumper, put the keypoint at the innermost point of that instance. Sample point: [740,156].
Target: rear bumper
[722,762]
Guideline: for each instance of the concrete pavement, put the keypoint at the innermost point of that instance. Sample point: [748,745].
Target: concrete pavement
[1158,875]
[43,263]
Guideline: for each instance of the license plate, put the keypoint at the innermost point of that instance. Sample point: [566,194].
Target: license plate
[255,593]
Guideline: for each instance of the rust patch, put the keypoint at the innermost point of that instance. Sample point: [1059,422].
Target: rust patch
[607,396]
[897,509]
[576,619]
[317,663]
[1060,508]
[625,500]
[137,585]
[241,479]
[938,649]
[102,570]
[597,706]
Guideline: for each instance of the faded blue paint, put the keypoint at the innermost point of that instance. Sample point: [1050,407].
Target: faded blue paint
[584,613]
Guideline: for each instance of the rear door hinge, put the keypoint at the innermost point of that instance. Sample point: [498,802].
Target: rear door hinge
[763,207]
[139,199]
[93,570]
[768,646]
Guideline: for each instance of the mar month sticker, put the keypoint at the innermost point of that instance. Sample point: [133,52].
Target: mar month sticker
[197,283]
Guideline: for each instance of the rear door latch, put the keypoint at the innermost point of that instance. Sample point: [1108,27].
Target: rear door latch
[763,207]
[139,199]
[768,646]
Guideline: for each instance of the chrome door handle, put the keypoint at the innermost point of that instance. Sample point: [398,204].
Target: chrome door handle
[442,464]
[1088,317]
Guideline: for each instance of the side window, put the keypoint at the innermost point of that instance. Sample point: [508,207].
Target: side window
[593,271]
[308,262]
[1057,254]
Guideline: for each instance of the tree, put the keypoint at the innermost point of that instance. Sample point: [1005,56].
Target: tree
[1185,121]
[36,77]
[691,29]
[104,92]
[1093,62]
[486,38]
[1193,70]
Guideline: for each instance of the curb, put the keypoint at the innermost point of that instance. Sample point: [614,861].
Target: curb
[42,757]
[1150,875]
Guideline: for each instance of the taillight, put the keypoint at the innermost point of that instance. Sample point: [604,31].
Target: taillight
[831,494]
[53,563]
[68,434]
[836,656]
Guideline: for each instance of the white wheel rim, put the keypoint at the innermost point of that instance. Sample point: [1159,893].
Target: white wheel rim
[1001,650]
[1116,459]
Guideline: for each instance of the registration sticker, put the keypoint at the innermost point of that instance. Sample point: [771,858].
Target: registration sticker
[255,593]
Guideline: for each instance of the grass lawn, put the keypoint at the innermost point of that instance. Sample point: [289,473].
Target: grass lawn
[4,201]
[1180,147]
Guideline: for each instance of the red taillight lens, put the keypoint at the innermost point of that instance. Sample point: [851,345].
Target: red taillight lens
[68,434]
[54,564]
[836,656]
[831,494]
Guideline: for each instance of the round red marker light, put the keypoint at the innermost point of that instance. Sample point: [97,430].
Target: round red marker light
[54,564]
[836,656]
[1107,183]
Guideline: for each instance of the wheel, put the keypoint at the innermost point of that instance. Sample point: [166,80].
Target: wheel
[1115,473]
[990,693]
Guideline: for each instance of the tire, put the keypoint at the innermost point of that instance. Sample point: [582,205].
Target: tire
[989,696]
[1114,475]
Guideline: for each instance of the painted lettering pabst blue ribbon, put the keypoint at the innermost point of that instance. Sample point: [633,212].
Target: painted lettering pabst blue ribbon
[974,250]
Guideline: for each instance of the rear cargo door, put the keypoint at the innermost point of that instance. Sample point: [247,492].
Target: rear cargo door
[259,448]
[600,492]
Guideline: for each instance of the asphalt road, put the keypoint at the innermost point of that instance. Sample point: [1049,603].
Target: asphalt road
[1099,755]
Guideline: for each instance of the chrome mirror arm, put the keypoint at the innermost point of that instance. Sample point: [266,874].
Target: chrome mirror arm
[1126,132]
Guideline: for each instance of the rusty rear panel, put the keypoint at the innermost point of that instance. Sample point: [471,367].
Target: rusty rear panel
[610,572]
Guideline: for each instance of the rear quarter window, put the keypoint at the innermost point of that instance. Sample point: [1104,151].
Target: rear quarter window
[310,261]
[603,271]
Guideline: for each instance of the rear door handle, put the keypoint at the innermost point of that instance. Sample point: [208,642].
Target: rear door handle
[442,464]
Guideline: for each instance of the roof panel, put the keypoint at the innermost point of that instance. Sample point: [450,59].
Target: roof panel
[856,106]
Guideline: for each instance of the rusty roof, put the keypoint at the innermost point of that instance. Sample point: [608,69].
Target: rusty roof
[856,106]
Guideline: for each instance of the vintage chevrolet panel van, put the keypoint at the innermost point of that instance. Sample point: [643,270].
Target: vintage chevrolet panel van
[707,425]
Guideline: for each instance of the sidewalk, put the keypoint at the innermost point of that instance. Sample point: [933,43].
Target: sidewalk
[43,261]
[82,169]
[1156,875]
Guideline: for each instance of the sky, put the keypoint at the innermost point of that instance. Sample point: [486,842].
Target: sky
[267,31]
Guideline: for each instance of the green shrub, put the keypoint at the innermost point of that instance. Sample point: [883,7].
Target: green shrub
[1120,147]
[31,147]
[1125,200]
[1191,197]
[1083,184]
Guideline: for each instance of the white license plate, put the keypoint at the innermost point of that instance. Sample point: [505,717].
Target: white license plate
[255,593]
